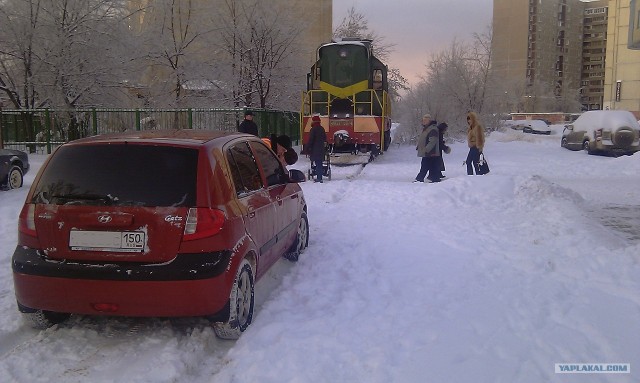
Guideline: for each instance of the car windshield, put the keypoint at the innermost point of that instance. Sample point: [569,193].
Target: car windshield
[113,174]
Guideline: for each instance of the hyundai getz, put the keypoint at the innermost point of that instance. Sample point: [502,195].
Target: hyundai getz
[156,224]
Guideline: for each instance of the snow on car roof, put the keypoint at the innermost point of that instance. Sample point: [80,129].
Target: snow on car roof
[606,119]
[535,124]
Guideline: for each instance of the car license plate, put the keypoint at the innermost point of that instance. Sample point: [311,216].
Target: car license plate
[121,241]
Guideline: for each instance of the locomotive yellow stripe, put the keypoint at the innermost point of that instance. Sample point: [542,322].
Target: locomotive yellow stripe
[345,92]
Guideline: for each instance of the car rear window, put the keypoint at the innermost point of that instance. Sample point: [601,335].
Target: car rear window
[120,174]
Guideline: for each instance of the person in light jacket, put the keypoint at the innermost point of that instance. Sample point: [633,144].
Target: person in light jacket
[475,141]
[428,148]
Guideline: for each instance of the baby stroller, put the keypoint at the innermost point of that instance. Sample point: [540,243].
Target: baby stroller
[326,166]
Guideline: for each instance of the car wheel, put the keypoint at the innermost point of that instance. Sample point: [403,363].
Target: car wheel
[586,147]
[42,319]
[15,177]
[563,142]
[302,240]
[241,302]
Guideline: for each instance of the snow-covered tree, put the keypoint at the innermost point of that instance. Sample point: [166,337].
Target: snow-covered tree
[19,65]
[60,53]
[456,81]
[173,46]
[259,41]
[149,53]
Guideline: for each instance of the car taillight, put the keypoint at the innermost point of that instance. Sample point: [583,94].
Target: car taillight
[202,223]
[26,221]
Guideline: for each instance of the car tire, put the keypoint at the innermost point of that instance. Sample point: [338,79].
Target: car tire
[15,177]
[563,142]
[241,304]
[586,146]
[302,240]
[42,319]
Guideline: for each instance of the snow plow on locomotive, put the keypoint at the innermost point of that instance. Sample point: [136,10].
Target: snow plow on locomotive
[348,89]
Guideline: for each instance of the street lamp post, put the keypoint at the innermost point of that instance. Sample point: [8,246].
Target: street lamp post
[529,107]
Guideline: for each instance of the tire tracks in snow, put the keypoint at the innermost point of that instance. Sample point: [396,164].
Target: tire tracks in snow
[107,342]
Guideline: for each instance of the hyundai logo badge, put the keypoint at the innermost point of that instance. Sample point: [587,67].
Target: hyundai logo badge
[104,219]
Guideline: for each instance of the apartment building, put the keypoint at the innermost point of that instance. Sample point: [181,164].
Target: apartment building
[622,65]
[594,46]
[537,53]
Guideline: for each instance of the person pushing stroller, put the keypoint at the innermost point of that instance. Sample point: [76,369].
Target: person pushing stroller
[315,147]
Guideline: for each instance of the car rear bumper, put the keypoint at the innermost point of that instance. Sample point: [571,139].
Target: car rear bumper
[608,146]
[168,290]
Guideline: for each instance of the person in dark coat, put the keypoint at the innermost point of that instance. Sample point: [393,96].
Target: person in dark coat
[248,126]
[429,150]
[315,146]
[444,148]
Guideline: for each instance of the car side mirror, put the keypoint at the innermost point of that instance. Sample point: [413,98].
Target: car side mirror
[568,127]
[296,176]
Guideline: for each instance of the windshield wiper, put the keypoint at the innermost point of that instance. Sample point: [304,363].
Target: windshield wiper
[108,198]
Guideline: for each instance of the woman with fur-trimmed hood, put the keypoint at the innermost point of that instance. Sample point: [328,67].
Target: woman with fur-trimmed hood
[475,141]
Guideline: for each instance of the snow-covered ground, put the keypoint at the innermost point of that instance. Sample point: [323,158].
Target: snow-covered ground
[476,279]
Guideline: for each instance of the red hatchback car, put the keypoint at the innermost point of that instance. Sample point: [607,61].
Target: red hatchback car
[156,224]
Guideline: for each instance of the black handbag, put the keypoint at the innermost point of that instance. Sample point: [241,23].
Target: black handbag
[483,165]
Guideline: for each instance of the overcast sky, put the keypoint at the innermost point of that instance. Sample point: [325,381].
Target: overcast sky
[419,28]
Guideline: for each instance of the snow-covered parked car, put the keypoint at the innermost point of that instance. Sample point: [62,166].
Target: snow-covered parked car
[512,124]
[603,131]
[527,126]
[535,127]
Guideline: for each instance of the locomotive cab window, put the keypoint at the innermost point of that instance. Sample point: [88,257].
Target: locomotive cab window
[377,79]
[343,65]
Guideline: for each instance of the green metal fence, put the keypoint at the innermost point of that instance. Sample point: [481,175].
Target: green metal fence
[41,130]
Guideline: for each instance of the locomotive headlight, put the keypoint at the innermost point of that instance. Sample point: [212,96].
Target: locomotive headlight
[343,53]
